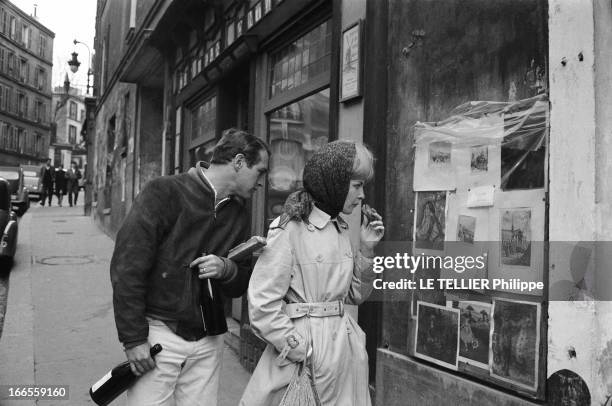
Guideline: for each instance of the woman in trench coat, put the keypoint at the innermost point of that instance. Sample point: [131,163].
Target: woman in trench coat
[306,275]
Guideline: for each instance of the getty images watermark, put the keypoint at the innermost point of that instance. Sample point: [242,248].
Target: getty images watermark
[458,264]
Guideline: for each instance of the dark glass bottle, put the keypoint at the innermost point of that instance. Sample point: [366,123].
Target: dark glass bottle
[116,381]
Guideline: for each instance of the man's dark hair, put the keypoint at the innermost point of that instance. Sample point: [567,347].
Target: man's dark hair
[233,142]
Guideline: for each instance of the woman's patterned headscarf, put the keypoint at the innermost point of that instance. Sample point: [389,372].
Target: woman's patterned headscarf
[326,182]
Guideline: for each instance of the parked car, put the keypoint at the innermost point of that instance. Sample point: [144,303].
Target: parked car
[20,202]
[31,180]
[8,228]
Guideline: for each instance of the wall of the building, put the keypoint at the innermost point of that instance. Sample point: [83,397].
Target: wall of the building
[474,50]
[581,193]
[120,170]
[113,174]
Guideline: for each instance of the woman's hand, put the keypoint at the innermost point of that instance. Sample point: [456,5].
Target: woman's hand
[371,233]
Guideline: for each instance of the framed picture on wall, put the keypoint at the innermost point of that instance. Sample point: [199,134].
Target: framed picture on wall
[350,62]
[437,335]
[515,342]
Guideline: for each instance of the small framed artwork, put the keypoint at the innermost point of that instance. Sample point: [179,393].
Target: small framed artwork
[515,342]
[351,61]
[437,335]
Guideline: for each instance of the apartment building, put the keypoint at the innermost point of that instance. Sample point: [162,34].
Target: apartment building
[67,144]
[26,54]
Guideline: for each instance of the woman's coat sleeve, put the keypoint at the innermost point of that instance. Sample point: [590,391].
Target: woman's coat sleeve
[269,284]
[363,277]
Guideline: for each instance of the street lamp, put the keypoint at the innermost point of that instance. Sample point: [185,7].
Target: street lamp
[74,63]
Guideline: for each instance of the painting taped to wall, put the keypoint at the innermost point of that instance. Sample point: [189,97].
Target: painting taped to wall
[474,333]
[515,342]
[516,237]
[437,335]
[479,161]
[430,224]
[466,228]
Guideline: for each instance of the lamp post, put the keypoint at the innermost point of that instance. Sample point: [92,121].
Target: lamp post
[74,63]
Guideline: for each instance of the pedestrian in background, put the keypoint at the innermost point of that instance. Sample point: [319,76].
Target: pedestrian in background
[47,176]
[170,249]
[60,184]
[306,274]
[73,175]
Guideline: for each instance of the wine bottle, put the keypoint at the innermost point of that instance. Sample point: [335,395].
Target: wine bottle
[116,381]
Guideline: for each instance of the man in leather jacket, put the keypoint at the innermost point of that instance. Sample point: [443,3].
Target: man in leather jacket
[170,273]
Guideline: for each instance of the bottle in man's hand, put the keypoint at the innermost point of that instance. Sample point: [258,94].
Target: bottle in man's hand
[116,381]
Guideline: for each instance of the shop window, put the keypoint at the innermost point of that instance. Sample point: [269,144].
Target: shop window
[296,131]
[204,120]
[301,61]
[203,130]
[202,152]
[481,197]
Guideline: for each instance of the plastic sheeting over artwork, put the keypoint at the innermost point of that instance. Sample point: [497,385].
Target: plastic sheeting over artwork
[484,143]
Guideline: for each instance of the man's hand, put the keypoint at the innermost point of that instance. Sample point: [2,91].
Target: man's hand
[209,267]
[140,359]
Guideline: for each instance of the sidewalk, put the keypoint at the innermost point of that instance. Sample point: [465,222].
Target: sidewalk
[59,327]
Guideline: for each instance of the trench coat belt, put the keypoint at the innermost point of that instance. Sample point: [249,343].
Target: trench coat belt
[315,309]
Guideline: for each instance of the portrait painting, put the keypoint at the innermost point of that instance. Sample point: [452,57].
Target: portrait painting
[437,334]
[515,342]
[516,237]
[474,332]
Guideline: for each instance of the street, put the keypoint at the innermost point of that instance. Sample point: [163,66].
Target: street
[59,328]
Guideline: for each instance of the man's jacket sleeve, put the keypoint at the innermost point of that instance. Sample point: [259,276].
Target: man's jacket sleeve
[133,258]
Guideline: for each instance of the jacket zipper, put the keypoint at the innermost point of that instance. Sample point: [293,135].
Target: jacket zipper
[208,281]
[219,204]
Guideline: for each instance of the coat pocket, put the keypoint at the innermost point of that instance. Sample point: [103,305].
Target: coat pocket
[175,289]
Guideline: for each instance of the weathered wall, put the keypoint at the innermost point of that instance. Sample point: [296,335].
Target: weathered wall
[107,164]
[150,135]
[471,50]
[442,54]
[581,192]
[435,387]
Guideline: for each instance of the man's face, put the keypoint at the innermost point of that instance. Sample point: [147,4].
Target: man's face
[249,179]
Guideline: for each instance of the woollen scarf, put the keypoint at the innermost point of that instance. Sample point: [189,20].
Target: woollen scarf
[327,175]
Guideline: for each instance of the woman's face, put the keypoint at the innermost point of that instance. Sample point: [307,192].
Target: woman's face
[354,197]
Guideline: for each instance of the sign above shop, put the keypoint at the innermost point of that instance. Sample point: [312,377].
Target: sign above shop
[351,61]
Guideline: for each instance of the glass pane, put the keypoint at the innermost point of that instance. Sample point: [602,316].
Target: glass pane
[204,119]
[302,59]
[296,132]
[202,152]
